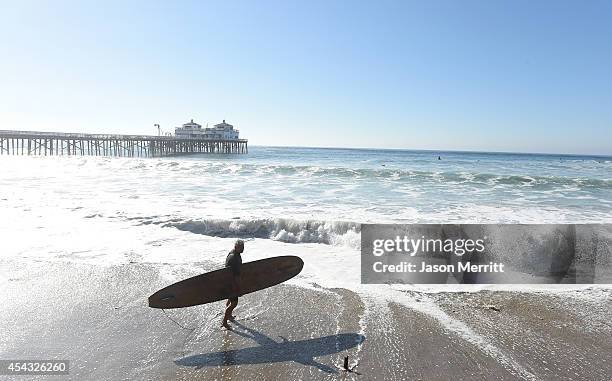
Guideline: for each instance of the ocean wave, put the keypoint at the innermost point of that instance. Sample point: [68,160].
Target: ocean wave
[340,233]
[547,251]
[464,177]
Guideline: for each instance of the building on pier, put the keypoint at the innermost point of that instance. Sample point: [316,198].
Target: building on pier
[220,131]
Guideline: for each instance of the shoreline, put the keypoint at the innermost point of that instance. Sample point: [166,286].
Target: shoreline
[294,332]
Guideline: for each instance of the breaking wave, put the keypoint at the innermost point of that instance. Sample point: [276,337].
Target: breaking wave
[339,233]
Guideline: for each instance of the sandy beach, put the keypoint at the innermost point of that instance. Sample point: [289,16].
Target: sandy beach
[93,317]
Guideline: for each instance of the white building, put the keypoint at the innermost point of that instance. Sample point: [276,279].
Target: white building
[221,131]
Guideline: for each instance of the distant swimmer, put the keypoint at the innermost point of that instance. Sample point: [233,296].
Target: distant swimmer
[439,158]
[233,261]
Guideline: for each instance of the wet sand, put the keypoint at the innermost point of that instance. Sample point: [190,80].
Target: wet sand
[98,318]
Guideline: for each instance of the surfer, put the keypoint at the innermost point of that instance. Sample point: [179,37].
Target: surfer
[233,261]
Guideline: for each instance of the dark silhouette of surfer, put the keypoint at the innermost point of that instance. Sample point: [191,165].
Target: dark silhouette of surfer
[233,261]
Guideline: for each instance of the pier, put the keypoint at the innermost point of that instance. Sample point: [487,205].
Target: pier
[74,144]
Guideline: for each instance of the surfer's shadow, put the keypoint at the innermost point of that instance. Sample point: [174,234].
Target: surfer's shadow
[270,351]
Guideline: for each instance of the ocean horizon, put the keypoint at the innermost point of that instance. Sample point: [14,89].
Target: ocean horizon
[424,150]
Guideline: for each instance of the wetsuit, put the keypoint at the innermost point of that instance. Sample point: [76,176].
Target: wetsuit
[234,261]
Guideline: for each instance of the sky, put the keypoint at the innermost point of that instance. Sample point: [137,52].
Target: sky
[520,76]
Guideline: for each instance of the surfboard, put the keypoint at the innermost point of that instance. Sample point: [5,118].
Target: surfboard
[217,285]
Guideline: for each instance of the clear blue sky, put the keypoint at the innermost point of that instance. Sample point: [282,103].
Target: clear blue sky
[531,76]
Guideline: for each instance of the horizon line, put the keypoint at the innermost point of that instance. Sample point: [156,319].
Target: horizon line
[439,150]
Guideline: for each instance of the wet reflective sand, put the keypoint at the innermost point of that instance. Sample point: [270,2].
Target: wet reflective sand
[98,318]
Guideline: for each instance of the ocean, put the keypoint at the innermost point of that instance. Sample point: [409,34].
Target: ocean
[300,195]
[85,240]
[109,210]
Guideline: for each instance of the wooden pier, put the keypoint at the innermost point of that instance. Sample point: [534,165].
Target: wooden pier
[70,144]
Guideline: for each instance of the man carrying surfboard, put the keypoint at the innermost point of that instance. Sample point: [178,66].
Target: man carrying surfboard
[233,261]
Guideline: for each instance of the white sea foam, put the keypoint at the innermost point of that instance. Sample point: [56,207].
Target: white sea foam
[92,208]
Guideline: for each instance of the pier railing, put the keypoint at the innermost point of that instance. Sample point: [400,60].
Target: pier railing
[62,143]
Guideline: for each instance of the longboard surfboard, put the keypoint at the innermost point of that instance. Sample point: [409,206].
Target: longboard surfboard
[217,285]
